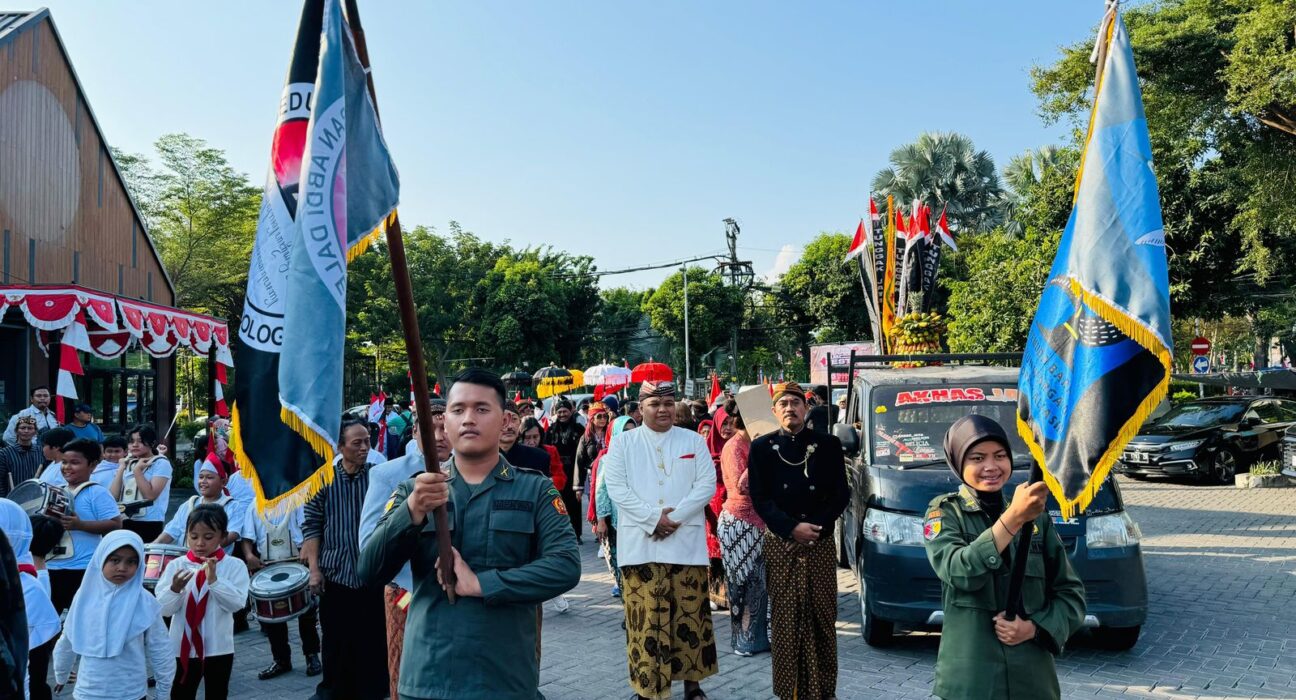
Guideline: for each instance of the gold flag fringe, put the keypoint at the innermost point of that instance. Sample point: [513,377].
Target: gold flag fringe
[1140,334]
[286,502]
[368,239]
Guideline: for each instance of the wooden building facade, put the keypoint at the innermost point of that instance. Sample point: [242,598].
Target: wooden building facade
[66,217]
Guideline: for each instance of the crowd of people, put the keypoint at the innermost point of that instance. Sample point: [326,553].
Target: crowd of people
[691,514]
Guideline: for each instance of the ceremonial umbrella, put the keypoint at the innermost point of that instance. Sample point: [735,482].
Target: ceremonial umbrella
[651,372]
[609,377]
[553,380]
[516,378]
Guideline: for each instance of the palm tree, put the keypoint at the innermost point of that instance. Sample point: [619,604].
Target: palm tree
[1024,173]
[945,170]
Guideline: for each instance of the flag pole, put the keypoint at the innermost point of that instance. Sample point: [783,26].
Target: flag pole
[409,323]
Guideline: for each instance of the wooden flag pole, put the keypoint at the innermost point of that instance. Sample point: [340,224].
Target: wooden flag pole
[413,344]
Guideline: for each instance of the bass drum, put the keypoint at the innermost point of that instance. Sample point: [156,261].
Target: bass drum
[279,592]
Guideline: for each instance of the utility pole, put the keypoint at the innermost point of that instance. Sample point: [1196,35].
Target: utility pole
[740,275]
[687,365]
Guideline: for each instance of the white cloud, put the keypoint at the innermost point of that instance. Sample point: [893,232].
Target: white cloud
[782,262]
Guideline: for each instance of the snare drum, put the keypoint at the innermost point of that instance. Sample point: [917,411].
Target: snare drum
[279,592]
[39,498]
[156,558]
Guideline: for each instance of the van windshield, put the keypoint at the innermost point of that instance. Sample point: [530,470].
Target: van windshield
[909,422]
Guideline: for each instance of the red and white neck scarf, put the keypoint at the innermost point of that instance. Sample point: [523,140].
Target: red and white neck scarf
[195,610]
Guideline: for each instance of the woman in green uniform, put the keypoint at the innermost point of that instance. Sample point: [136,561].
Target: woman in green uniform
[970,538]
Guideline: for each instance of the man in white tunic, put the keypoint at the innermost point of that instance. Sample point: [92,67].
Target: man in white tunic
[661,478]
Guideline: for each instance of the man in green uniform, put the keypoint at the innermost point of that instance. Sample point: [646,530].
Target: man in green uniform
[513,549]
[971,542]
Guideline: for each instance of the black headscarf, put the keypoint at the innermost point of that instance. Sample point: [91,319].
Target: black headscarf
[961,437]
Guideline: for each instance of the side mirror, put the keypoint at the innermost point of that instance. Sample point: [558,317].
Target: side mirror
[849,438]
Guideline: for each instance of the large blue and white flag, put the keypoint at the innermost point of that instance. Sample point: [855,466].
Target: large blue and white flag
[1098,356]
[348,189]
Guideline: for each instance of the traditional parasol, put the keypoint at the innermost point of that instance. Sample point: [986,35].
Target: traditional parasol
[553,380]
[651,372]
[516,378]
[608,377]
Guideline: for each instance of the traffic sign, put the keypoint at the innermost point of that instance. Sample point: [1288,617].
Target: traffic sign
[1201,364]
[1201,346]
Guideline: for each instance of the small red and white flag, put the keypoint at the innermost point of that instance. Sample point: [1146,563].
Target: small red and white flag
[75,337]
[942,227]
[378,414]
[218,392]
[862,236]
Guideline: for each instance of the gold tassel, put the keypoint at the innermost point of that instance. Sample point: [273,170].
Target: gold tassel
[368,239]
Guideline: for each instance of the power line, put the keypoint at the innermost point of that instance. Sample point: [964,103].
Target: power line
[661,266]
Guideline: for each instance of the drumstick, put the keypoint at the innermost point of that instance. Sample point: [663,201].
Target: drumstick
[172,426]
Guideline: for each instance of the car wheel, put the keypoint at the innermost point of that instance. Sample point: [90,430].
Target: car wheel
[877,632]
[1116,638]
[1224,466]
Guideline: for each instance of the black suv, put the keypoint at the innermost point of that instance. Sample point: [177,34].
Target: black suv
[1211,439]
[899,467]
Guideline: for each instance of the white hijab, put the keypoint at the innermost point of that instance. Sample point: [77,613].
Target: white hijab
[104,615]
[42,619]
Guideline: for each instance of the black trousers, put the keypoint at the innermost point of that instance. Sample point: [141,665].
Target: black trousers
[64,584]
[212,673]
[38,661]
[277,633]
[148,531]
[354,625]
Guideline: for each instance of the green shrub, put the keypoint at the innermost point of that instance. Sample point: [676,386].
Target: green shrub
[1182,396]
[191,428]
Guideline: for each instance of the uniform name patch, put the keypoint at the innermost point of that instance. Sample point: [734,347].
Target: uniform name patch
[931,527]
[527,506]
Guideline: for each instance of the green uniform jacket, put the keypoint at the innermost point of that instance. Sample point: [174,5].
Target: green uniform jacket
[972,662]
[513,533]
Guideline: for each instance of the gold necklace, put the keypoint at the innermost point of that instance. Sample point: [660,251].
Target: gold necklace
[803,464]
[661,457]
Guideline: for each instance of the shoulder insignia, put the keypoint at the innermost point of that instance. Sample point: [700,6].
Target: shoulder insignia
[559,506]
[934,513]
[932,525]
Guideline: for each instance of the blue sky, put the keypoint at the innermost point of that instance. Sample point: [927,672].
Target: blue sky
[624,130]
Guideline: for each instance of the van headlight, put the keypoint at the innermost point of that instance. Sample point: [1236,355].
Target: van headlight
[1114,530]
[892,528]
[1184,445]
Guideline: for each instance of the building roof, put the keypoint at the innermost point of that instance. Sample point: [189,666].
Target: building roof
[12,24]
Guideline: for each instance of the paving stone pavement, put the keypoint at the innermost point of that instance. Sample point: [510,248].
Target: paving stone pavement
[1221,569]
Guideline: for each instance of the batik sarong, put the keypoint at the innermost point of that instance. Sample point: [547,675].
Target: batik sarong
[669,636]
[744,563]
[395,633]
[803,617]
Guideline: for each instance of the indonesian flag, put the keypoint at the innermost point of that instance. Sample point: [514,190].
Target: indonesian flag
[924,222]
[75,337]
[863,234]
[715,389]
[218,392]
[378,414]
[902,229]
[942,227]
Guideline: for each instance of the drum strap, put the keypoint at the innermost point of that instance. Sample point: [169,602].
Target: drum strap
[65,549]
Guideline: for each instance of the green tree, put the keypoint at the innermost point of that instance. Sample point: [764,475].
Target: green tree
[825,292]
[944,170]
[202,215]
[714,308]
[993,302]
[620,329]
[1220,104]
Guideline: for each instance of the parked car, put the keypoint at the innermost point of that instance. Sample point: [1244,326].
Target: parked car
[893,433]
[1211,439]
